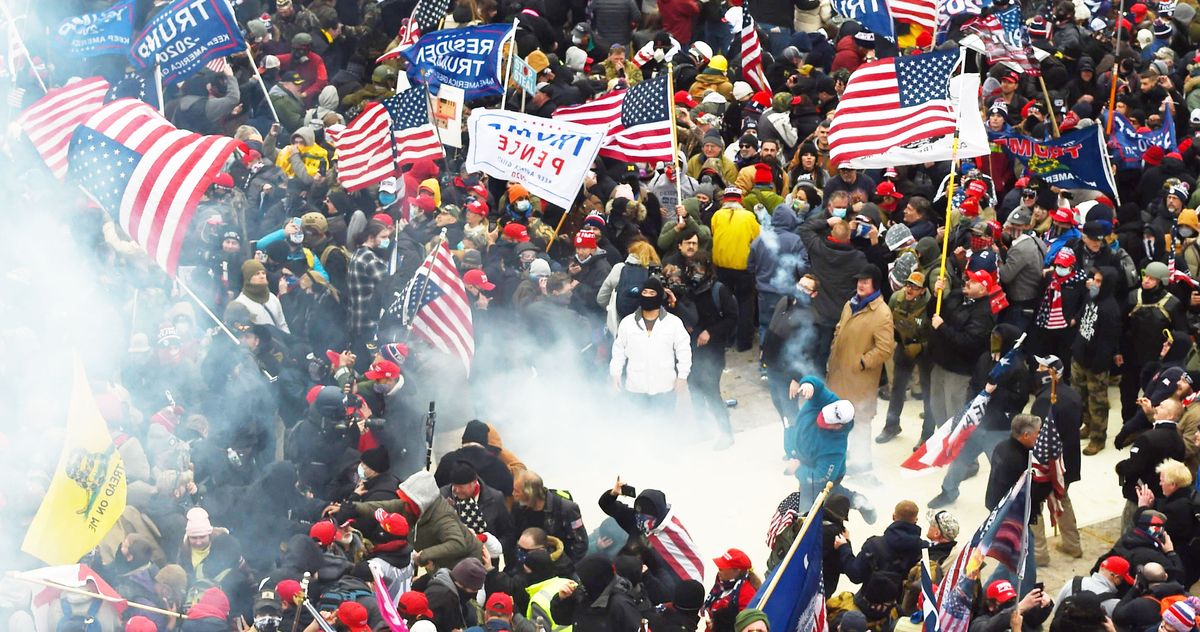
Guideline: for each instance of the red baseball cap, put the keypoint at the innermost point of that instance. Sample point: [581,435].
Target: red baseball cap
[969,206]
[683,98]
[1021,182]
[478,279]
[981,276]
[976,188]
[1064,258]
[392,523]
[383,370]
[477,206]
[888,189]
[223,180]
[288,589]
[1063,216]
[354,615]
[323,532]
[1118,566]
[414,604]
[585,239]
[383,218]
[500,603]
[733,558]
[1001,590]
[516,232]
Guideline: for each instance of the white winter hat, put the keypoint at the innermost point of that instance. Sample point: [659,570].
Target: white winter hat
[742,90]
[576,58]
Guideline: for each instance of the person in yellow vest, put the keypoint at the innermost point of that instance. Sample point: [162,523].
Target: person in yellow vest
[733,229]
[304,151]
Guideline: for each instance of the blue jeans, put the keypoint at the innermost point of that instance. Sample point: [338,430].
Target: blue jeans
[981,441]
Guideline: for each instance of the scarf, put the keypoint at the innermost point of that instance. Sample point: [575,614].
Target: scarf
[257,293]
[857,303]
[1050,312]
[724,595]
[471,515]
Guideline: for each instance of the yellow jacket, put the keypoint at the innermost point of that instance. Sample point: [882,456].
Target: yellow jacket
[315,159]
[733,228]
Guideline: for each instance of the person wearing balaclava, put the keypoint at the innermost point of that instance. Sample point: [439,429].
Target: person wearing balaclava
[601,600]
[256,296]
[671,552]
[652,353]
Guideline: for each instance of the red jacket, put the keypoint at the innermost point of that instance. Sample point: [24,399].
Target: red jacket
[847,55]
[678,17]
[312,71]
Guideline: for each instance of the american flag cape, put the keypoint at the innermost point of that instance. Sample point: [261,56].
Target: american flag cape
[796,602]
[948,439]
[146,173]
[674,544]
[1005,39]
[954,596]
[51,120]
[434,306]
[70,576]
[893,102]
[1048,464]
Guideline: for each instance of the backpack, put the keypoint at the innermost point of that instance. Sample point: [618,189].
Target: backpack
[1127,268]
[72,621]
[1077,587]
[344,589]
[629,289]
[715,290]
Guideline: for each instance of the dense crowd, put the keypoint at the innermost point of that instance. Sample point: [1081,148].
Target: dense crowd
[293,463]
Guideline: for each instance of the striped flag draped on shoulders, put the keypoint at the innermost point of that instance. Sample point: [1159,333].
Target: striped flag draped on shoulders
[892,102]
[146,173]
[644,131]
[50,121]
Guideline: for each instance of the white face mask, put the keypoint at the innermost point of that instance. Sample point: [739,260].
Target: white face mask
[362,472]
[1062,270]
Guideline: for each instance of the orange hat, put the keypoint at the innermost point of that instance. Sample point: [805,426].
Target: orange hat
[516,192]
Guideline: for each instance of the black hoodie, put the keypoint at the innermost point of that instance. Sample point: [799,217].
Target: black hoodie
[1012,389]
[896,551]
[1098,337]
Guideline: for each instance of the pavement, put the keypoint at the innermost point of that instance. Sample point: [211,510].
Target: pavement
[726,498]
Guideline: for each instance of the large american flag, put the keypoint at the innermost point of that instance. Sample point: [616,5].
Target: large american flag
[752,61]
[923,12]
[383,137]
[644,133]
[1005,39]
[435,308]
[603,111]
[1048,464]
[785,515]
[50,121]
[953,597]
[145,172]
[893,102]
[948,439]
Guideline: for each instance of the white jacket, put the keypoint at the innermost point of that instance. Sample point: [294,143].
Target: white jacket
[653,360]
[269,314]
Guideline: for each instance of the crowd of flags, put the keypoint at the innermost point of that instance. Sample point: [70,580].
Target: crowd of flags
[384,137]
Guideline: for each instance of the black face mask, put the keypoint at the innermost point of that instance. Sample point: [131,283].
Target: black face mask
[651,303]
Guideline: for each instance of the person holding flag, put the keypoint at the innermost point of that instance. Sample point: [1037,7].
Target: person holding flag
[1057,457]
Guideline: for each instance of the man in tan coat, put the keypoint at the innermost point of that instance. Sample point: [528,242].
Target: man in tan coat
[862,342]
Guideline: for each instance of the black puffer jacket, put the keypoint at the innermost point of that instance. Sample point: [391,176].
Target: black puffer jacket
[834,264]
[896,551]
[957,345]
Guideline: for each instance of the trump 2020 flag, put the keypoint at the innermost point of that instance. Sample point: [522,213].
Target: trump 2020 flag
[467,58]
[793,595]
[87,493]
[1076,160]
[1130,145]
[185,36]
[104,32]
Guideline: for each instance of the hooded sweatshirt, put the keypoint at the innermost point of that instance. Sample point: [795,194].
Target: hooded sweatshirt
[327,103]
[1098,337]
[314,156]
[777,256]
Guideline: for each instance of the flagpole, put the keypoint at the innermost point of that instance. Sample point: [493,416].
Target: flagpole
[14,32]
[1025,525]
[88,593]
[158,87]
[949,199]
[1112,91]
[433,121]
[674,139]
[512,51]
[220,323]
[808,519]
[1049,105]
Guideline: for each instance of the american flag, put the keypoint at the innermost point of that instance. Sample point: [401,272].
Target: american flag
[1175,275]
[752,61]
[145,172]
[893,102]
[217,65]
[785,515]
[793,593]
[1005,39]
[675,546]
[1048,464]
[409,34]
[49,122]
[953,598]
[603,111]
[929,601]
[435,307]
[45,600]
[948,439]
[922,12]
[383,137]
[644,133]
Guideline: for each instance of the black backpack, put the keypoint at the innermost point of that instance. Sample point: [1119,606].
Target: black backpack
[1077,587]
[629,289]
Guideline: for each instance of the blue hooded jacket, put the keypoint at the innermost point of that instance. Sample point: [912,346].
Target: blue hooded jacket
[821,451]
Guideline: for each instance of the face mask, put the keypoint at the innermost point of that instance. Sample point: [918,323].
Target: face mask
[296,238]
[362,472]
[659,54]
[267,623]
[800,207]
[381,388]
[385,242]
[1186,232]
[980,243]
[651,303]
[697,279]
[1093,291]
[387,199]
[839,213]
[524,206]
[1062,270]
[645,522]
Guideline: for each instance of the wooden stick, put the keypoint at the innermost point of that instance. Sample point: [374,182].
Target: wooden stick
[1049,105]
[1112,91]
[88,593]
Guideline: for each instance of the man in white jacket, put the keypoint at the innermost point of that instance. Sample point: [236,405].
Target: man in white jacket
[653,350]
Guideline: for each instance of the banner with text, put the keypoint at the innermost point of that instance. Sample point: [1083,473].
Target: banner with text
[466,58]
[1130,145]
[104,32]
[549,157]
[185,36]
[1076,160]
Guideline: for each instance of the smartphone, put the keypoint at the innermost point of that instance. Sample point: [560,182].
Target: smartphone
[628,490]
[1040,587]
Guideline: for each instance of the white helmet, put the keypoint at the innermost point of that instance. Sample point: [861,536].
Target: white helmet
[701,52]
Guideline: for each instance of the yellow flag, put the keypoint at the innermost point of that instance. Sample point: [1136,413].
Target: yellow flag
[87,494]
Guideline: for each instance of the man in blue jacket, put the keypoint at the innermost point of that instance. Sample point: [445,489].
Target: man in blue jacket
[822,428]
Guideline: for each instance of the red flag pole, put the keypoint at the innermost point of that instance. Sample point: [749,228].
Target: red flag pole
[1112,90]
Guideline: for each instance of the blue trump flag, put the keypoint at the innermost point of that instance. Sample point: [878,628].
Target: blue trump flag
[104,32]
[793,595]
[1076,160]
[185,36]
[873,15]
[466,58]
[1129,145]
